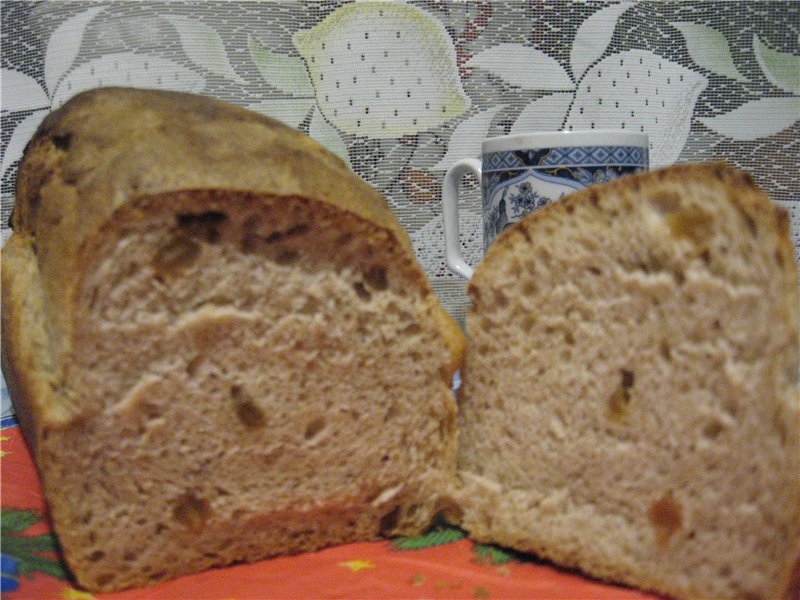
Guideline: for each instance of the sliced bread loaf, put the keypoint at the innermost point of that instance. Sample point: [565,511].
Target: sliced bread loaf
[218,341]
[630,403]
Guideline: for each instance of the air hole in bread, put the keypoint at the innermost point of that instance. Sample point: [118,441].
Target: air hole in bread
[389,521]
[158,575]
[692,223]
[96,555]
[376,278]
[191,512]
[665,350]
[105,579]
[314,428]
[730,404]
[249,413]
[447,510]
[362,292]
[705,255]
[713,429]
[666,516]
[129,557]
[500,299]
[411,330]
[391,413]
[749,222]
[310,306]
[251,243]
[205,225]
[780,426]
[665,201]
[194,365]
[620,400]
[177,254]
[779,257]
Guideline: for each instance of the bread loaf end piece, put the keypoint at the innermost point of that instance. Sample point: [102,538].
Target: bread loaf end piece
[630,402]
[219,342]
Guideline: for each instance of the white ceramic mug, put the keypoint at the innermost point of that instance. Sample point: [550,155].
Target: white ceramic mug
[520,173]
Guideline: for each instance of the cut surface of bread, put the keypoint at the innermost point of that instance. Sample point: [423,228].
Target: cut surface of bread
[217,357]
[629,404]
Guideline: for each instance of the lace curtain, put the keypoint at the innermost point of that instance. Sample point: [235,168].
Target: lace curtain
[705,79]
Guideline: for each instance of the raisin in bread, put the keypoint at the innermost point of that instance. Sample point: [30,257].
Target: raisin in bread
[218,341]
[629,403]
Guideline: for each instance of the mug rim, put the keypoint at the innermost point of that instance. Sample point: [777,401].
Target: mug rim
[554,139]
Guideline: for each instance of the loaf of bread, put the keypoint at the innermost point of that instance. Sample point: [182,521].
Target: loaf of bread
[629,403]
[218,341]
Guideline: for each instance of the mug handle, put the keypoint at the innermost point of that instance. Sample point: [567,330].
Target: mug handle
[452,245]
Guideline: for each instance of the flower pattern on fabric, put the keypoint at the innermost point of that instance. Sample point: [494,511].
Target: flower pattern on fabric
[24,555]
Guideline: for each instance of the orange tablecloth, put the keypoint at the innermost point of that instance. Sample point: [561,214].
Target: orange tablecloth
[455,568]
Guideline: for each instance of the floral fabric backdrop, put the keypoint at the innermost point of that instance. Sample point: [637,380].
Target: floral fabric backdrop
[401,90]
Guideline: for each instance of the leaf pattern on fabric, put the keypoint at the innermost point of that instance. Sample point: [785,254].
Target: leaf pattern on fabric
[709,49]
[128,69]
[22,92]
[291,111]
[26,550]
[64,45]
[328,136]
[22,134]
[594,35]
[204,46]
[467,137]
[435,537]
[782,69]
[756,119]
[494,555]
[523,66]
[545,114]
[286,73]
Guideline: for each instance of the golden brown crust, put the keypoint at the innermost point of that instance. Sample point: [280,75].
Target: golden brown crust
[107,147]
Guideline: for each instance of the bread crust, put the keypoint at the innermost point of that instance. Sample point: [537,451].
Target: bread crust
[107,147]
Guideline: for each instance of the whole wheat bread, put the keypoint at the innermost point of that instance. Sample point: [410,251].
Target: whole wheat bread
[218,341]
[629,403]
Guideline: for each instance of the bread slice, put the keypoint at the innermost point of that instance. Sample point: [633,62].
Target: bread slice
[629,403]
[218,341]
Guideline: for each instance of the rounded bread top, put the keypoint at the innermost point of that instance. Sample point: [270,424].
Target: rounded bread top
[112,144]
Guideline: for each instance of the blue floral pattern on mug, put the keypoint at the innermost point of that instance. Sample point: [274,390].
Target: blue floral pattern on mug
[516,182]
